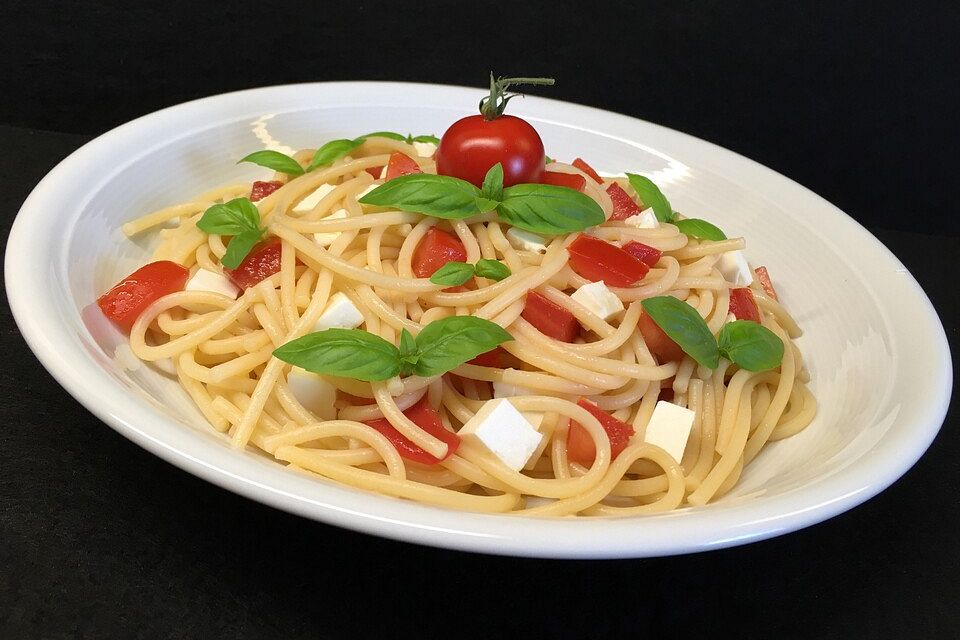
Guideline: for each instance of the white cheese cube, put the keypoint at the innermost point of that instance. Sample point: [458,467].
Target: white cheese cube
[526,241]
[308,203]
[313,392]
[596,297]
[504,431]
[425,149]
[734,268]
[669,428]
[646,219]
[327,239]
[204,280]
[340,313]
[368,189]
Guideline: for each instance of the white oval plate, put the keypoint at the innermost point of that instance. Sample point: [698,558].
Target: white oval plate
[876,350]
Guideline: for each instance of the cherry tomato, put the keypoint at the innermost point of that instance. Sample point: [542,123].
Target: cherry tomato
[435,250]
[474,144]
[623,204]
[400,165]
[764,277]
[743,306]
[587,169]
[492,358]
[261,189]
[663,348]
[595,260]
[262,262]
[124,303]
[580,447]
[645,253]
[569,180]
[549,318]
[425,417]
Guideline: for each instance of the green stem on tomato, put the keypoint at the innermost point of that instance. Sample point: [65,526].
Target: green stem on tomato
[493,105]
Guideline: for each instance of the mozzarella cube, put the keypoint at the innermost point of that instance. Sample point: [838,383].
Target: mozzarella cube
[327,239]
[669,428]
[313,392]
[368,189]
[504,431]
[646,219]
[205,280]
[425,149]
[734,268]
[340,313]
[308,203]
[526,241]
[596,297]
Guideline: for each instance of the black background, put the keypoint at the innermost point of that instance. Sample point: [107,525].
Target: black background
[855,100]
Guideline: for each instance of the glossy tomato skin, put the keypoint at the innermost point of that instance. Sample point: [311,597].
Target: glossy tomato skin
[426,417]
[401,165]
[435,250]
[580,447]
[262,262]
[549,318]
[124,303]
[662,346]
[743,305]
[474,144]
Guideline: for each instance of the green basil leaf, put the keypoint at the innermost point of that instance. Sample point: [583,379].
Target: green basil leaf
[750,345]
[349,353]
[492,188]
[484,204]
[276,161]
[408,352]
[239,247]
[230,218]
[651,196]
[438,196]
[331,151]
[493,269]
[452,274]
[548,160]
[447,343]
[702,229]
[384,134]
[432,139]
[683,325]
[548,209]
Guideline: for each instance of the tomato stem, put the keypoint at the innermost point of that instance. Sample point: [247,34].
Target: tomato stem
[492,106]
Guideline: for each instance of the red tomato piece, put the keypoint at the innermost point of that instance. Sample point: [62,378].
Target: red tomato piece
[124,303]
[596,260]
[764,277]
[262,262]
[646,254]
[623,204]
[425,417]
[401,165]
[587,169]
[663,348]
[742,304]
[435,250]
[261,189]
[374,171]
[549,318]
[569,180]
[474,144]
[580,447]
[492,358]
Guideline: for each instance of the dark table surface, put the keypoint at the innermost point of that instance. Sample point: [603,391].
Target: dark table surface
[98,538]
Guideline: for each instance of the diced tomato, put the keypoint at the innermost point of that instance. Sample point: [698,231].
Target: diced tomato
[764,277]
[425,417]
[401,165]
[492,358]
[374,171]
[124,303]
[742,304]
[262,262]
[663,348]
[623,204]
[580,447]
[596,260]
[587,169]
[647,254]
[569,180]
[435,250]
[549,318]
[261,189]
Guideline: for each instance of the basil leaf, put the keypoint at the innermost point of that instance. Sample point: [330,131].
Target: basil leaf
[438,196]
[452,274]
[750,345]
[276,161]
[349,353]
[239,246]
[548,160]
[492,188]
[230,218]
[331,151]
[484,205]
[493,269]
[384,134]
[408,352]
[651,196]
[702,229]
[449,342]
[432,139]
[548,209]
[683,325]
